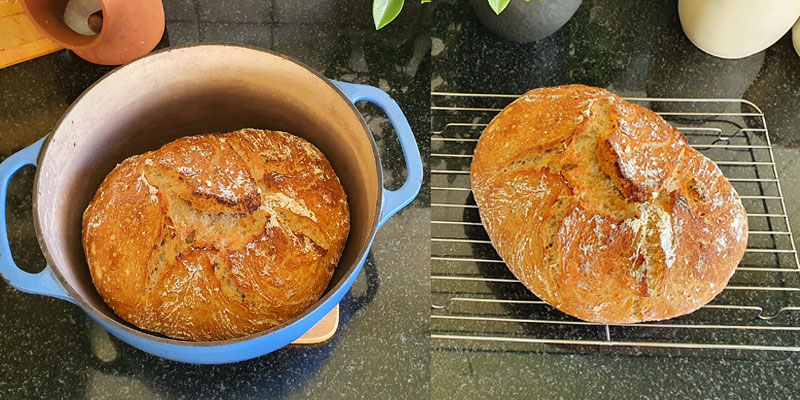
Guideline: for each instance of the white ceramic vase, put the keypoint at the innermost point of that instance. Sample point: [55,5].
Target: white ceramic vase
[736,28]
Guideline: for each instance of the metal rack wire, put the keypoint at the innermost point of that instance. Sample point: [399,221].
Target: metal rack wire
[479,304]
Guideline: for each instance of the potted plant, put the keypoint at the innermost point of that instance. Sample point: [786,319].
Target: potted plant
[524,20]
[385,11]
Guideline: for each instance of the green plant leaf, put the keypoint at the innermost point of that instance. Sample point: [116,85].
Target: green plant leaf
[498,5]
[384,11]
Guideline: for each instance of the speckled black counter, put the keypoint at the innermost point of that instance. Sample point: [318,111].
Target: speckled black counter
[634,49]
[51,349]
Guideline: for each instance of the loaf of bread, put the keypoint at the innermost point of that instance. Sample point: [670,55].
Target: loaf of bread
[603,210]
[216,236]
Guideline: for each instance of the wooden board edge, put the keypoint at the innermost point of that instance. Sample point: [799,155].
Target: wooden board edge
[27,51]
[323,330]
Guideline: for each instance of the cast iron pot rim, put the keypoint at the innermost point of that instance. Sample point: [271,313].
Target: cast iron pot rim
[177,342]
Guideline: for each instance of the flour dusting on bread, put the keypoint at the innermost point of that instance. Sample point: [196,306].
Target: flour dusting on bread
[602,209]
[216,236]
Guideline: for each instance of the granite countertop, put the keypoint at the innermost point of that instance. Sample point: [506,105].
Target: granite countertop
[51,349]
[634,50]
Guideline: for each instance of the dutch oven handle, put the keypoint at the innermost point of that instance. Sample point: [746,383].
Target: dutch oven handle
[40,283]
[393,200]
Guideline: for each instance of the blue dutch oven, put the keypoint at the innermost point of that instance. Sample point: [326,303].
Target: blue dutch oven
[185,91]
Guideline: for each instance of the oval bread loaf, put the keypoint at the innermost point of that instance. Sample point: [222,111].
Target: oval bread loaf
[603,210]
[216,236]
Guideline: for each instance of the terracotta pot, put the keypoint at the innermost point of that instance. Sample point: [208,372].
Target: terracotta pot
[131,29]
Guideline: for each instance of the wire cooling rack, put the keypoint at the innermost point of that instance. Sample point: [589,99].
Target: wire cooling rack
[478,304]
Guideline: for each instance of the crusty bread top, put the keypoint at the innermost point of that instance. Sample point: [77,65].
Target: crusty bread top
[216,236]
[602,209]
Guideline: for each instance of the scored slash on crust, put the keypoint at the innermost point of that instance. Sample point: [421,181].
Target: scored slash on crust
[627,222]
[216,236]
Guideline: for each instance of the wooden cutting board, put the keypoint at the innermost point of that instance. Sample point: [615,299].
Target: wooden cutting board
[19,38]
[323,330]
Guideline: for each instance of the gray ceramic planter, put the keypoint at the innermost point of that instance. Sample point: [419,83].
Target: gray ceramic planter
[526,21]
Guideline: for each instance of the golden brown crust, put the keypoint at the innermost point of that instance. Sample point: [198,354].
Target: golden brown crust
[602,209]
[216,236]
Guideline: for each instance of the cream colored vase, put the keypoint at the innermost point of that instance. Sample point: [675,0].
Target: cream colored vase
[736,28]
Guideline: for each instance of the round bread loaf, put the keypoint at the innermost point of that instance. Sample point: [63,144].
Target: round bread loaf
[601,208]
[216,236]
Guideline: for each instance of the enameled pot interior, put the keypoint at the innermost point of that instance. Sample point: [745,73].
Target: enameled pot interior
[188,91]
